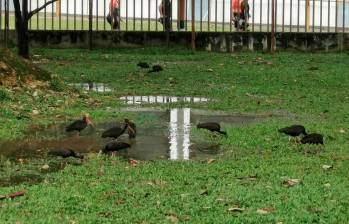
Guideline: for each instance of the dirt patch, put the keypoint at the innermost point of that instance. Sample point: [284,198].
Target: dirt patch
[14,71]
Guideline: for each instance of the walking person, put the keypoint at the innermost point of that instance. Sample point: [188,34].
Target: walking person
[165,10]
[113,17]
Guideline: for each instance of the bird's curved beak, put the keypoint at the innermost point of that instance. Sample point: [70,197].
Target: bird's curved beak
[89,122]
[129,128]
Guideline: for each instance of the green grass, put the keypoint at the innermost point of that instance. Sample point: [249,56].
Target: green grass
[106,190]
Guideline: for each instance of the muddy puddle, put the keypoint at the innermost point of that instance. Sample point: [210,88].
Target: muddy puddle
[169,134]
[91,86]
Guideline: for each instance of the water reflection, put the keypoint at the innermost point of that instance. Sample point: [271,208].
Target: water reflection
[161,99]
[96,87]
[179,136]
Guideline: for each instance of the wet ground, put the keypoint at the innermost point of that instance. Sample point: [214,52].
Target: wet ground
[161,134]
[92,86]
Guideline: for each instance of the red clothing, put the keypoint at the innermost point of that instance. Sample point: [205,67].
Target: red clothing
[114,4]
[237,6]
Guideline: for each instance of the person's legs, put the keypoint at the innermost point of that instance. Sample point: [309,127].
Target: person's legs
[168,15]
[161,11]
[115,24]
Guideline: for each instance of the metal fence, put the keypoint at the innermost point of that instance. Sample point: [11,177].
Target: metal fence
[184,15]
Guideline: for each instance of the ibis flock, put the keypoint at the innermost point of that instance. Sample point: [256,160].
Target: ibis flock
[116,145]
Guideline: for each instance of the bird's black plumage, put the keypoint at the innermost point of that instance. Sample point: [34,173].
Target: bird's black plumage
[65,153]
[294,130]
[115,146]
[156,68]
[79,125]
[211,126]
[143,65]
[313,138]
[114,132]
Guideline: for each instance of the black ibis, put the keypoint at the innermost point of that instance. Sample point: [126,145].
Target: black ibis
[313,138]
[156,68]
[143,65]
[212,126]
[65,153]
[114,132]
[293,130]
[114,147]
[79,125]
[131,129]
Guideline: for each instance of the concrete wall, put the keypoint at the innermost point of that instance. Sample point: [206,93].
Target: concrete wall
[220,42]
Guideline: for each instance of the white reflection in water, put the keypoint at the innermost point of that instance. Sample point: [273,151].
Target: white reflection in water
[173,134]
[179,136]
[97,87]
[160,99]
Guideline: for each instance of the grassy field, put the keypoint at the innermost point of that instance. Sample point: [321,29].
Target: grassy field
[311,89]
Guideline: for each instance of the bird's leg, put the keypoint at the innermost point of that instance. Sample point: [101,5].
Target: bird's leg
[99,153]
[113,154]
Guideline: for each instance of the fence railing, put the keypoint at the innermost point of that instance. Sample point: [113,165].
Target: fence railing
[176,15]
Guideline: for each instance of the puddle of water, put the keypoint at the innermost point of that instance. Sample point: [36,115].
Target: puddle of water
[131,100]
[165,134]
[96,87]
[161,134]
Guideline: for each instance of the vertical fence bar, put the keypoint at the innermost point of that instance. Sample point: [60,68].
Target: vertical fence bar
[273,41]
[60,15]
[298,15]
[268,19]
[306,15]
[260,15]
[82,14]
[223,20]
[201,15]
[104,14]
[209,15]
[253,6]
[149,15]
[283,15]
[127,15]
[156,15]
[90,21]
[52,14]
[97,15]
[291,5]
[193,25]
[30,9]
[343,16]
[6,7]
[134,15]
[141,15]
[178,16]
[275,15]
[74,14]
[231,16]
[215,16]
[0,14]
[313,16]
[336,19]
[186,15]
[37,16]
[67,15]
[45,17]
[328,15]
[320,16]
